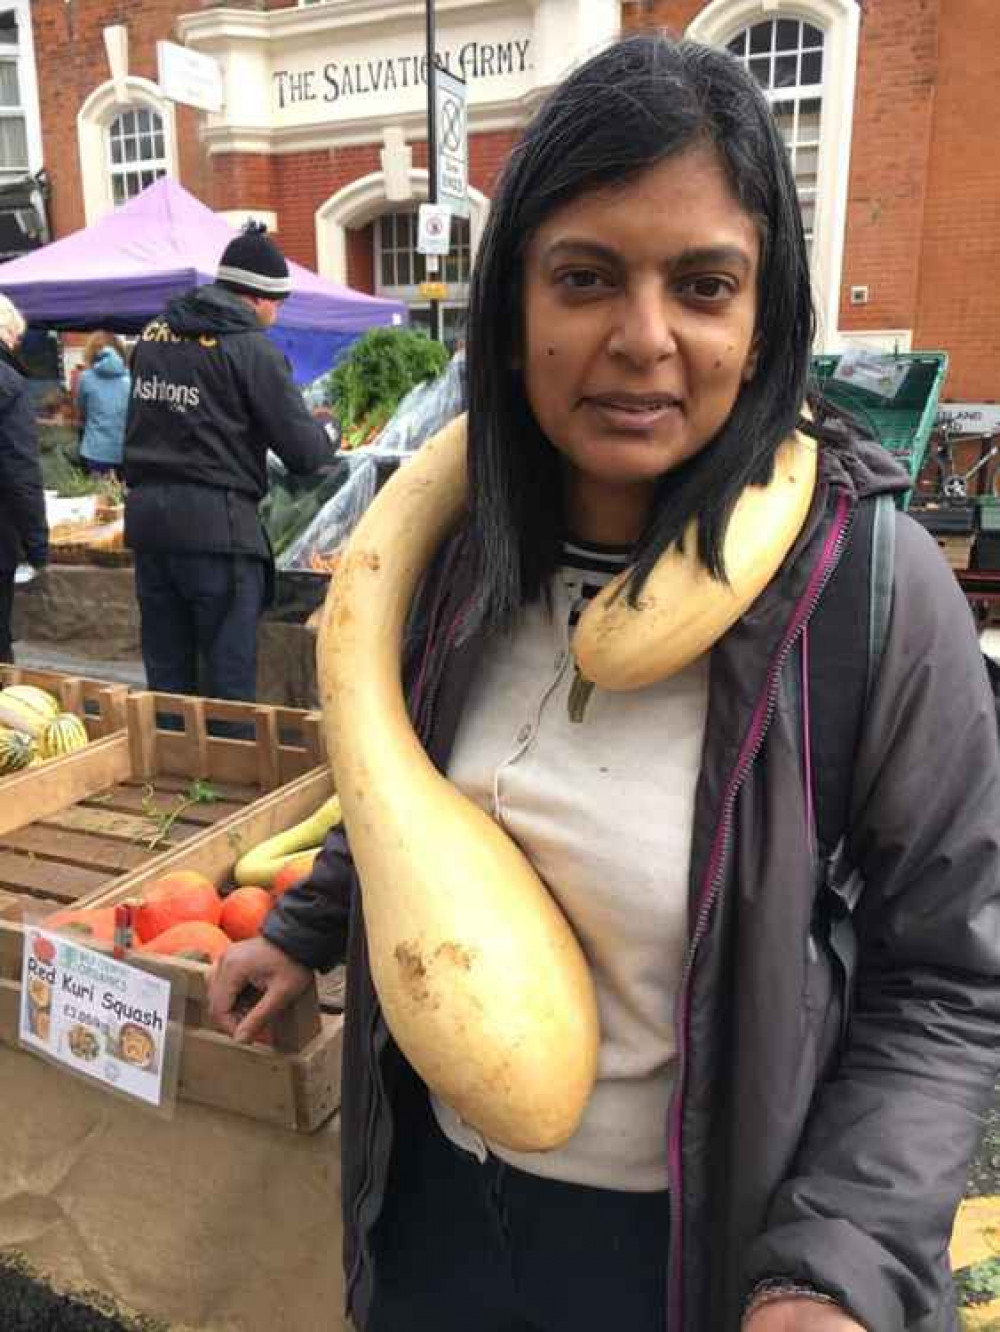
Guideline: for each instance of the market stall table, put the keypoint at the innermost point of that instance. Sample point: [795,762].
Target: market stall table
[226,1216]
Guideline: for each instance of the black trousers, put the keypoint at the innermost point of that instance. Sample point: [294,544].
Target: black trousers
[6,610]
[465,1247]
[199,618]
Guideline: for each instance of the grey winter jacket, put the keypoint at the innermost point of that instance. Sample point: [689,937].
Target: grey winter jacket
[822,1123]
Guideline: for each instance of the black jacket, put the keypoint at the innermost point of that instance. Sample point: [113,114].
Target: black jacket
[210,394]
[822,1122]
[24,533]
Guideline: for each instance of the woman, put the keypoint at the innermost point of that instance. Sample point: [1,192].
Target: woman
[102,399]
[639,343]
[24,533]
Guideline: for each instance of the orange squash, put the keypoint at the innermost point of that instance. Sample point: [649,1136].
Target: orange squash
[297,869]
[244,912]
[94,926]
[195,940]
[181,896]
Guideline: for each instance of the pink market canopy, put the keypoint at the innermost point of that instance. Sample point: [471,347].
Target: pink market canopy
[120,272]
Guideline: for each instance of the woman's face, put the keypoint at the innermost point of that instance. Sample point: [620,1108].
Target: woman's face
[640,307]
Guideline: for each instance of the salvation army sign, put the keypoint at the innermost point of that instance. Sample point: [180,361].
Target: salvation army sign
[339,80]
[389,77]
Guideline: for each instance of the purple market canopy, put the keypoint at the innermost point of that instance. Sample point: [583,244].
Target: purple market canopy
[120,272]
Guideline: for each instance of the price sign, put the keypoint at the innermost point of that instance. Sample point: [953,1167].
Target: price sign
[100,1018]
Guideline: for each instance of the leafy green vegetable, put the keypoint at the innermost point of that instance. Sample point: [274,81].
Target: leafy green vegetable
[979,1283]
[378,372]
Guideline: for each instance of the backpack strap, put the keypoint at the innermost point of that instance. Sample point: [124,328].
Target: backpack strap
[841,659]
[846,640]
[883,554]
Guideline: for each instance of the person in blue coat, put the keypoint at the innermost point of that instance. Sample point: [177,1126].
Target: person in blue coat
[102,399]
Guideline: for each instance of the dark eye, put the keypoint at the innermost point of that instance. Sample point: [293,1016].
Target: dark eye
[709,288]
[581,279]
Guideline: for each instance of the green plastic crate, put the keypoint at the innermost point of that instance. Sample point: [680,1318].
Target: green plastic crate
[902,424]
[989,513]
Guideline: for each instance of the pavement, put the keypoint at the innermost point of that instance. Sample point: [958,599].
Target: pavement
[45,657]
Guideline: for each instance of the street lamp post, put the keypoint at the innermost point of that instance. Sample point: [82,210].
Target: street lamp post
[430,260]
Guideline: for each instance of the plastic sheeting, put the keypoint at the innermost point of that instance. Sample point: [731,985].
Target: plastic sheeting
[422,413]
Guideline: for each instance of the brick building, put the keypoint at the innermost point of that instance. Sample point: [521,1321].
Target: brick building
[889,108]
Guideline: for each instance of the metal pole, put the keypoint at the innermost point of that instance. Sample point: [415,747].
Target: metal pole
[431,261]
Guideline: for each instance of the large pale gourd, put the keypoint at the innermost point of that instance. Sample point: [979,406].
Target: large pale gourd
[481,980]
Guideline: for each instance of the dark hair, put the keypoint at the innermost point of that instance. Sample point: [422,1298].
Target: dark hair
[641,101]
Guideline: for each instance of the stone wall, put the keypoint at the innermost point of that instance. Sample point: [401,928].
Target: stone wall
[91,613]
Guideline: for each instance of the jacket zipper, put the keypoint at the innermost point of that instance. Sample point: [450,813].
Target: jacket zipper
[374,1054]
[375,1073]
[760,722]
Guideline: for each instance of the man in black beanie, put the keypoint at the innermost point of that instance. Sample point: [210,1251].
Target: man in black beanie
[210,395]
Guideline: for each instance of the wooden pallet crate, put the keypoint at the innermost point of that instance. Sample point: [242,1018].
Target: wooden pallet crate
[99,704]
[293,1083]
[123,806]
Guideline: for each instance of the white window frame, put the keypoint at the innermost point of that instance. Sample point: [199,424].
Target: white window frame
[458,292]
[796,96]
[361,201]
[27,80]
[159,165]
[722,20]
[408,292]
[92,124]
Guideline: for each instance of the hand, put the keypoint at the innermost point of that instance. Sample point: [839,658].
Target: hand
[800,1315]
[262,966]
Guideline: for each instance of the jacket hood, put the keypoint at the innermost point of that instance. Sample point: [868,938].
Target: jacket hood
[109,364]
[852,459]
[211,309]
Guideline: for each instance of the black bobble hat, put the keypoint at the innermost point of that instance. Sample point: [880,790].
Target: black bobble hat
[253,264]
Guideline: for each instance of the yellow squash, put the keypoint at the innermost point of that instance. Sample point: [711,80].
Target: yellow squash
[682,609]
[481,980]
[259,866]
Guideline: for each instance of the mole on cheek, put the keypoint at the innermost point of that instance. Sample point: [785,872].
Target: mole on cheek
[718,364]
[551,351]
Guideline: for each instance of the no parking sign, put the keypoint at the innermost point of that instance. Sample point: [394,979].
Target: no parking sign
[434,229]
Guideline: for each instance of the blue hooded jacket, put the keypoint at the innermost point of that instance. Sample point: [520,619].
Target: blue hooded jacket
[103,396]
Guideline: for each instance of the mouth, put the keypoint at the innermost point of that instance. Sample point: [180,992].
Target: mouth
[633,411]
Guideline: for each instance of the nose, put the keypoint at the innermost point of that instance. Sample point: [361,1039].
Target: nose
[643,330]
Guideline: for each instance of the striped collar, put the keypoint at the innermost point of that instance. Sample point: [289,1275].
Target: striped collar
[597,563]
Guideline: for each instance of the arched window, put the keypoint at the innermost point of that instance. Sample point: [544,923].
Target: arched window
[785,56]
[127,135]
[137,154]
[400,268]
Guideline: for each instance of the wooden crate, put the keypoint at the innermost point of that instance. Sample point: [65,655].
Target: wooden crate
[292,1084]
[99,704]
[120,809]
[215,853]
[956,550]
